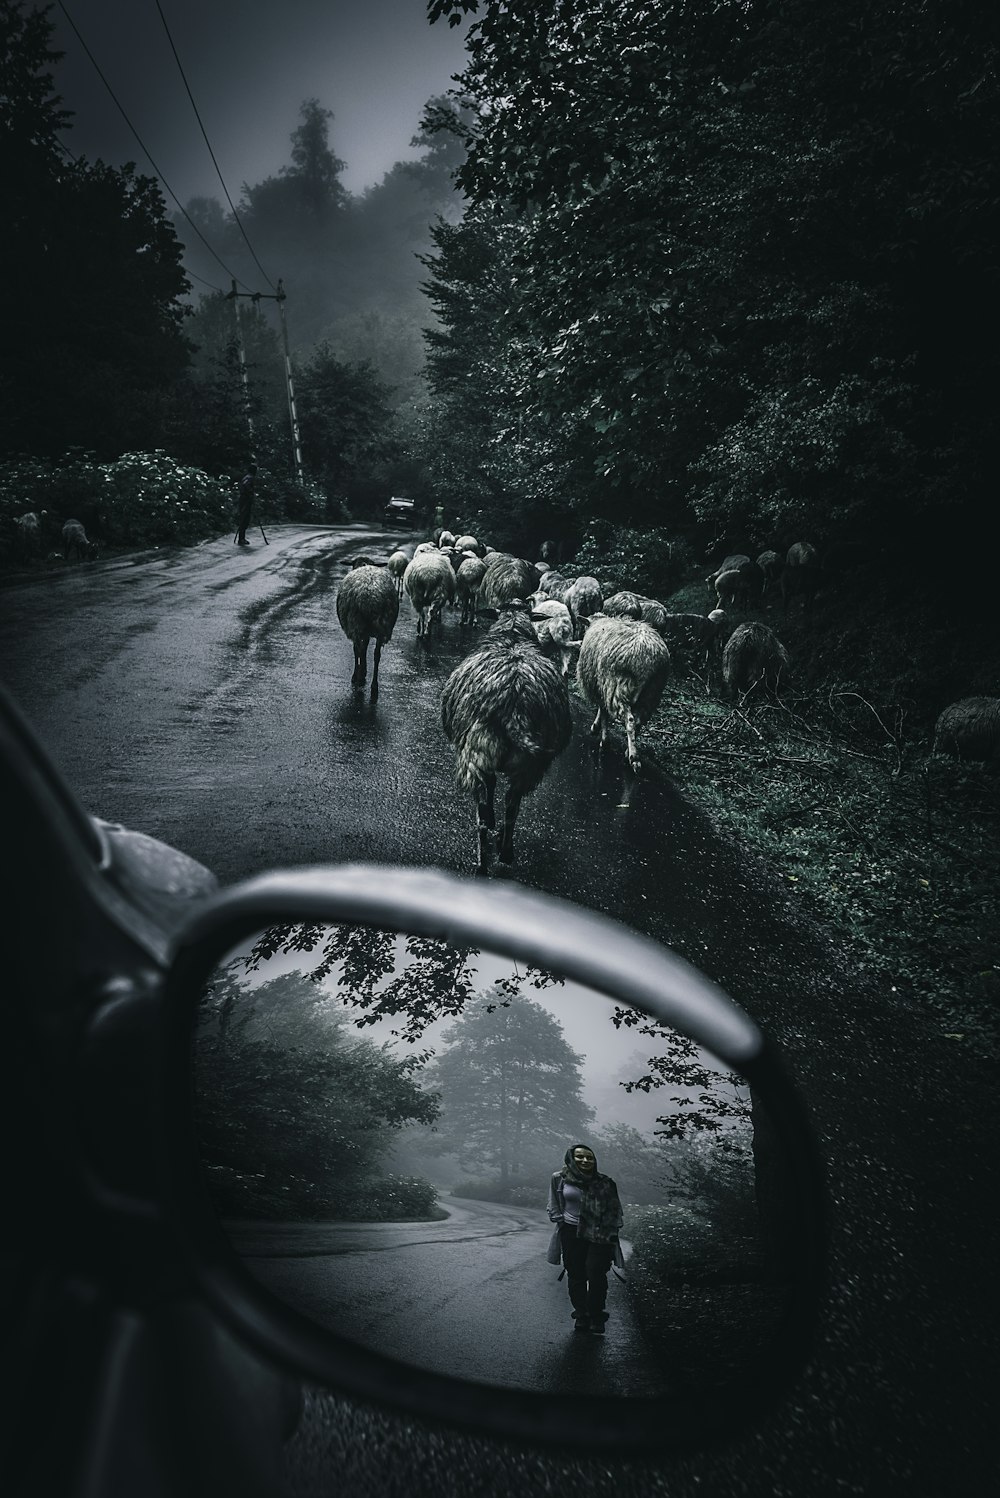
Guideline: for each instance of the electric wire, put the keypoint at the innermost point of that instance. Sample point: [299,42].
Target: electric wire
[121,109]
[208,143]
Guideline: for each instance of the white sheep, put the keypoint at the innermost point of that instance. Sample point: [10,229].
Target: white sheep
[732,563]
[583,598]
[397,565]
[468,543]
[429,581]
[28,531]
[367,607]
[553,624]
[468,581]
[622,670]
[505,710]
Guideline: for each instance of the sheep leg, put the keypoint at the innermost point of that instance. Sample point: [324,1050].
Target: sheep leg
[485,818]
[360,664]
[378,657]
[631,729]
[511,806]
[600,724]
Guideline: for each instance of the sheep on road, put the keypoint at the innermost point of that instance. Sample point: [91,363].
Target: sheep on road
[505,710]
[622,670]
[367,607]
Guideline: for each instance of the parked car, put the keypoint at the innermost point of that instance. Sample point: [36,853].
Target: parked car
[400,512]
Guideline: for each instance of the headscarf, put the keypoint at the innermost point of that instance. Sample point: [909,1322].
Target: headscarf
[571,1172]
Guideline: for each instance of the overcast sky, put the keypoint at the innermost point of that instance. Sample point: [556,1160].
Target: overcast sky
[250,64]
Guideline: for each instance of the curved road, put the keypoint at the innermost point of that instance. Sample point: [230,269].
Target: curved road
[204,696]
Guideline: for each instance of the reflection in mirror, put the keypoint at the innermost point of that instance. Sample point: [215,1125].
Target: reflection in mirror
[384,1119]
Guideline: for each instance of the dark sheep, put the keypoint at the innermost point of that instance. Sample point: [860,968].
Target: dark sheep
[506,578]
[75,543]
[753,658]
[505,710]
[801,575]
[970,729]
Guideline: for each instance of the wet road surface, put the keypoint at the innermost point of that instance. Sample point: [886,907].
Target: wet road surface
[204,697]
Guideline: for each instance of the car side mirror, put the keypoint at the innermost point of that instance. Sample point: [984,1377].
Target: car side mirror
[373,1081]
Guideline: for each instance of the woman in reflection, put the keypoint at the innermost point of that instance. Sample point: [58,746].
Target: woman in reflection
[585,1204]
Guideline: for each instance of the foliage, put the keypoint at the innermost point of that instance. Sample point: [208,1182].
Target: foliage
[509,1084]
[346,427]
[295,1109]
[835,789]
[724,262]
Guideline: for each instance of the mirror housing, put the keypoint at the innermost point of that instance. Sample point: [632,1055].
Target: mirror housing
[548,933]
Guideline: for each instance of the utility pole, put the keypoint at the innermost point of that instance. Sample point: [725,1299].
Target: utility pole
[280,297]
[232,297]
[292,413]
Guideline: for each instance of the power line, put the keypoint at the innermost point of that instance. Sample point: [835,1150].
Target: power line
[208,143]
[156,169]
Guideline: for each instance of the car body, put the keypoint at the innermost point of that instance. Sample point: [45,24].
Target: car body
[399,511]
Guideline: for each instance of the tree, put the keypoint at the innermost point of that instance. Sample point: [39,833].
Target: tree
[751,239]
[286,1094]
[346,424]
[510,1086]
[94,326]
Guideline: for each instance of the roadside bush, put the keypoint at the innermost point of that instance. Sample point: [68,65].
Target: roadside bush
[380,1199]
[643,561]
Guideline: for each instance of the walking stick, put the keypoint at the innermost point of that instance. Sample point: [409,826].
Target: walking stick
[263,533]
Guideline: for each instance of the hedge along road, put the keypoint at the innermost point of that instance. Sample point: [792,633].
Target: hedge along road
[204,697]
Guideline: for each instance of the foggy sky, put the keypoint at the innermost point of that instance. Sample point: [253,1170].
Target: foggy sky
[250,64]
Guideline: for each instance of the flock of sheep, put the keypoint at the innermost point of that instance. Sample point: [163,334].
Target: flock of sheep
[505,708]
[28,537]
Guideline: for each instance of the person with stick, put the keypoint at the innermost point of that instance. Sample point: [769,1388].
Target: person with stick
[246,489]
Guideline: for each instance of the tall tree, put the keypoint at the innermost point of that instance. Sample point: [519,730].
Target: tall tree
[510,1085]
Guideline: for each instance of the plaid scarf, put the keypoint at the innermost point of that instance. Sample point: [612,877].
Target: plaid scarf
[600,1210]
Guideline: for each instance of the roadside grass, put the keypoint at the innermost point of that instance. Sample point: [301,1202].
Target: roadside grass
[896,850]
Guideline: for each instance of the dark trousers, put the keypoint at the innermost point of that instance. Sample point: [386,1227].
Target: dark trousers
[587,1265]
[246,505]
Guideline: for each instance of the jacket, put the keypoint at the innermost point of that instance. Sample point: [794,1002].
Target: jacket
[601,1212]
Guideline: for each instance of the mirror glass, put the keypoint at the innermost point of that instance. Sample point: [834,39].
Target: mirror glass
[384,1120]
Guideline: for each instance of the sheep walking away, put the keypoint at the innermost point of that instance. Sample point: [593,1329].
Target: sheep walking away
[505,711]
[429,581]
[753,658]
[75,543]
[970,729]
[367,607]
[622,669]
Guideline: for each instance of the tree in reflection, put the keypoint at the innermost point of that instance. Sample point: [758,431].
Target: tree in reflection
[510,1088]
[411,980]
[295,1112]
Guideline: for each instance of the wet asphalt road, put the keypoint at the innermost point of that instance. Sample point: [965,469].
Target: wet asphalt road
[471,1296]
[203,696]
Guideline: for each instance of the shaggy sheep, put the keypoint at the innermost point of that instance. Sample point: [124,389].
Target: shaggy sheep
[425,546]
[397,565]
[554,628]
[429,581]
[752,658]
[731,563]
[367,607]
[75,541]
[506,578]
[542,567]
[468,543]
[505,710]
[622,670]
[628,605]
[468,581]
[445,539]
[583,598]
[801,575]
[970,729]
